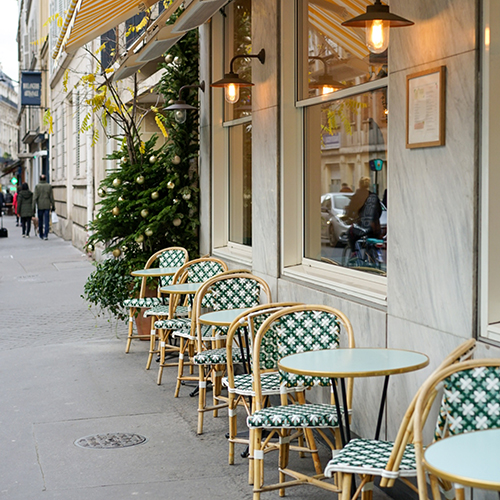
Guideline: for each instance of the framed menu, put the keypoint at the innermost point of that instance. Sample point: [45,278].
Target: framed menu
[425,108]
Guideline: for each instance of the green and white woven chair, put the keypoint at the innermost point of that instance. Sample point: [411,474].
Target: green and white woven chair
[388,460]
[299,328]
[178,315]
[470,402]
[240,386]
[224,292]
[168,257]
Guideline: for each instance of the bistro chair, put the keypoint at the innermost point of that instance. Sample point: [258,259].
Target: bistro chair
[194,271]
[388,460]
[470,402]
[299,328]
[224,292]
[168,257]
[240,386]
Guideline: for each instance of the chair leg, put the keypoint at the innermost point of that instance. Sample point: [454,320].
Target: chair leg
[346,486]
[130,329]
[232,425]
[152,343]
[180,368]
[258,463]
[162,356]
[202,397]
[367,490]
[284,453]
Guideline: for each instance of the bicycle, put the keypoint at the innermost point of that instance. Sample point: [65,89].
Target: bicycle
[367,254]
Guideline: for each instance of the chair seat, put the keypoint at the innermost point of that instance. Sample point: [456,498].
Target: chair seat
[243,384]
[179,325]
[370,456]
[144,302]
[216,357]
[307,415]
[163,310]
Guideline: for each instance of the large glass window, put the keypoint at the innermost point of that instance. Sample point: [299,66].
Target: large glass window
[331,56]
[345,181]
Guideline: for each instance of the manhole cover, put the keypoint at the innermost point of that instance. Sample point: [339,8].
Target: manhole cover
[110,441]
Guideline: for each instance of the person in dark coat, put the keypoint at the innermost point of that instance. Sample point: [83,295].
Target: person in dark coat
[44,199]
[25,209]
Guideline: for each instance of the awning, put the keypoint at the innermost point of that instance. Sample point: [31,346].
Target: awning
[327,19]
[88,19]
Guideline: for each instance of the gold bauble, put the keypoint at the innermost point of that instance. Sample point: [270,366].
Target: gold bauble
[117,182]
[149,232]
[169,58]
[121,198]
[186,196]
[176,160]
[140,238]
[140,179]
[152,159]
[90,247]
[101,192]
[117,252]
[170,185]
[116,211]
[155,195]
[176,222]
[144,212]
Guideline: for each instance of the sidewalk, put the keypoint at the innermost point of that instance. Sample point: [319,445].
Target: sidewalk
[64,375]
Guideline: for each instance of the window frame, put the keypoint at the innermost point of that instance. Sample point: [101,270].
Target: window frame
[359,286]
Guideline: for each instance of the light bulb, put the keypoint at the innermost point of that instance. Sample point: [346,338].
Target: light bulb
[377,36]
[327,90]
[180,115]
[232,93]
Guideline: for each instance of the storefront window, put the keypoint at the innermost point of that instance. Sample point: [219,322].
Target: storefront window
[345,181]
[331,56]
[240,184]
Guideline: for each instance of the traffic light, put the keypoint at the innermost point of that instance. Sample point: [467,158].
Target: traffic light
[14,181]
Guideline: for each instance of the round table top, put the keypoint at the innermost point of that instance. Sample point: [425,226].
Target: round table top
[221,318]
[357,362]
[155,272]
[471,459]
[181,288]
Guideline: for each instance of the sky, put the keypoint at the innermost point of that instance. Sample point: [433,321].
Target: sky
[8,34]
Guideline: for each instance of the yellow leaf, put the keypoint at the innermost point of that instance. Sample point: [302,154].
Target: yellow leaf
[142,147]
[154,109]
[100,49]
[59,22]
[109,70]
[143,23]
[161,126]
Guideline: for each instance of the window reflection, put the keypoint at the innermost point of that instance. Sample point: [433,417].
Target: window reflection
[345,181]
[334,57]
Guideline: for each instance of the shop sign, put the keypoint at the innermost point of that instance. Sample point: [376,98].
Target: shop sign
[31,88]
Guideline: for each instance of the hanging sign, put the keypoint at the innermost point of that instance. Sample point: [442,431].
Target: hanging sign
[31,88]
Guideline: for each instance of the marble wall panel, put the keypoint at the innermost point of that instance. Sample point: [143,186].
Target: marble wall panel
[442,28]
[432,209]
[369,327]
[265,36]
[265,192]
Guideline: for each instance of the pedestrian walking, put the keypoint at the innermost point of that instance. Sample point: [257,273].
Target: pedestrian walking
[44,199]
[25,209]
[14,205]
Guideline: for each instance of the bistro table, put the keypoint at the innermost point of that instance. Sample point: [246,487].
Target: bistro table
[353,362]
[470,459]
[155,272]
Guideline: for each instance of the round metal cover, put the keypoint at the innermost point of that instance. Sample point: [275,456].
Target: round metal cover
[110,441]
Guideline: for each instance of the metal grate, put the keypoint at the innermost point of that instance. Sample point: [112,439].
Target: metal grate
[110,441]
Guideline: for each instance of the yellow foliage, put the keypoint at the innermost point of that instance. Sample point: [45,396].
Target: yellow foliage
[154,109]
[65,80]
[100,49]
[161,126]
[95,137]
[143,23]
[109,70]
[48,120]
[59,22]
[142,147]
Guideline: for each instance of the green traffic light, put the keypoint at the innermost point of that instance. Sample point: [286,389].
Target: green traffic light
[13,180]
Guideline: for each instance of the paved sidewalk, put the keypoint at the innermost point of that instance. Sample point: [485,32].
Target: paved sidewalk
[64,375]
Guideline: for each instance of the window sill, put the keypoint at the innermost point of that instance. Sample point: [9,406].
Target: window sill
[238,253]
[492,333]
[343,283]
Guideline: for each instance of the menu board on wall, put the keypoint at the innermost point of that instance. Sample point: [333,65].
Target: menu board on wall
[425,108]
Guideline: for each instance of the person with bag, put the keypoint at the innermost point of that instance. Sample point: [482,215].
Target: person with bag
[44,199]
[14,205]
[25,209]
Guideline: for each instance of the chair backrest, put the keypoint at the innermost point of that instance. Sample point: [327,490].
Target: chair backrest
[229,291]
[298,329]
[470,402]
[405,433]
[252,320]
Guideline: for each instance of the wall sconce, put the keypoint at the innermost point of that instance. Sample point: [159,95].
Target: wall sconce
[232,82]
[325,82]
[377,20]
[180,107]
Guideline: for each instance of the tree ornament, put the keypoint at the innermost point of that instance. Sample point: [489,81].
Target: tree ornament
[149,231]
[155,195]
[176,160]
[175,200]
[140,238]
[152,159]
[169,58]
[170,185]
[144,212]
[101,192]
[117,182]
[117,252]
[171,101]
[176,60]
[187,196]
[140,179]
[176,222]
[121,198]
[116,211]
[90,247]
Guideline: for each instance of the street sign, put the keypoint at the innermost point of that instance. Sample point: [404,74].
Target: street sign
[376,164]
[31,88]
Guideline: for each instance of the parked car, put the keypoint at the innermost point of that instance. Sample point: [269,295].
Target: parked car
[333,228]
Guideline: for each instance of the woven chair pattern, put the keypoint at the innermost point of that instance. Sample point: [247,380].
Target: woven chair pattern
[143,302]
[471,401]
[202,271]
[306,331]
[170,258]
[234,294]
